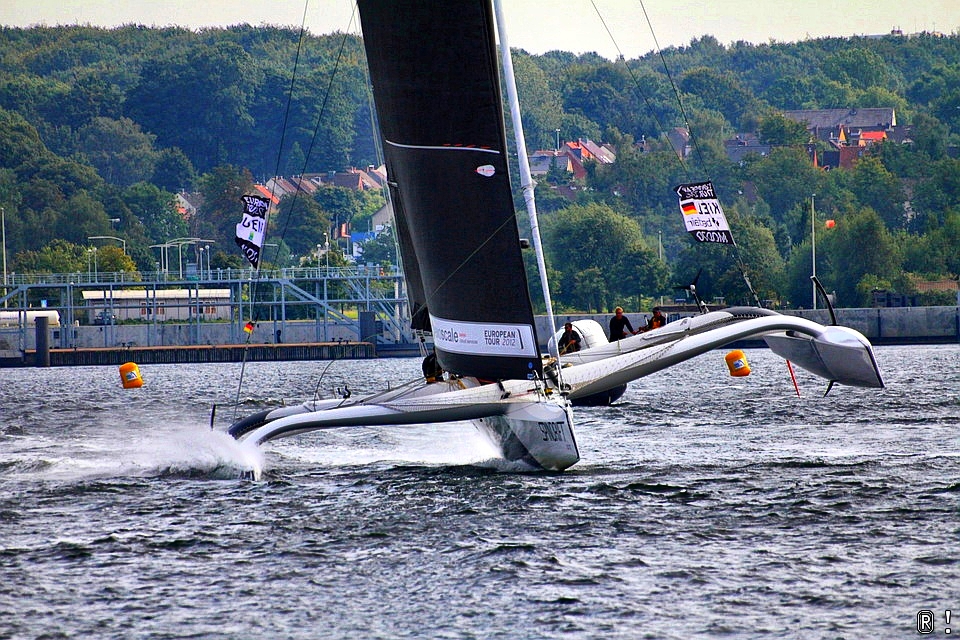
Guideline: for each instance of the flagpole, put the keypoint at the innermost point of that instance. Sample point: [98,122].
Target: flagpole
[813,247]
[251,235]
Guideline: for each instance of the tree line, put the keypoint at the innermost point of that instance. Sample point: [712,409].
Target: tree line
[99,128]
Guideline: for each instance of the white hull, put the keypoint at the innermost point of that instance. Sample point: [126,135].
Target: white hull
[525,425]
[838,354]
[534,425]
[538,434]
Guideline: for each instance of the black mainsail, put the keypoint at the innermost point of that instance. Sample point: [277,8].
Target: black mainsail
[436,87]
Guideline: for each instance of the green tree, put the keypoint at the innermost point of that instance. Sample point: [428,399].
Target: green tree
[381,249]
[859,67]
[859,247]
[114,260]
[221,190]
[348,205]
[721,91]
[877,188]
[156,210]
[301,223]
[59,256]
[542,106]
[82,216]
[761,259]
[118,149]
[173,170]
[935,252]
[781,131]
[21,142]
[198,100]
[599,257]
[785,180]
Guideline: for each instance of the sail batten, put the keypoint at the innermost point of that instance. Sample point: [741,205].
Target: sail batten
[442,148]
[436,87]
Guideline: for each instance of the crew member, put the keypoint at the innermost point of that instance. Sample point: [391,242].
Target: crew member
[620,325]
[432,371]
[656,321]
[570,340]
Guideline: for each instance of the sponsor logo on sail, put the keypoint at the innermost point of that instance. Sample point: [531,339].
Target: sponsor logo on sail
[483,338]
[486,170]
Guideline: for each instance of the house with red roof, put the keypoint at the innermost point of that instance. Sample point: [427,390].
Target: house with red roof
[570,157]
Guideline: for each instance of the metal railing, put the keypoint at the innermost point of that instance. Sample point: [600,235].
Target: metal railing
[208,275]
[331,300]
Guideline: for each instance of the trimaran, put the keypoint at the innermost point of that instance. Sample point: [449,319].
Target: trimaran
[436,86]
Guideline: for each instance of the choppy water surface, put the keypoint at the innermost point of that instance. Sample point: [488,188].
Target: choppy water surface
[704,506]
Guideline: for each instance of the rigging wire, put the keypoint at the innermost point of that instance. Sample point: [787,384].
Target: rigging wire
[676,91]
[380,156]
[316,129]
[636,81]
[256,279]
[686,121]
[255,311]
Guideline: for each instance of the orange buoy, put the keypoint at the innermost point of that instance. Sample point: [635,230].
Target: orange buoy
[737,363]
[130,376]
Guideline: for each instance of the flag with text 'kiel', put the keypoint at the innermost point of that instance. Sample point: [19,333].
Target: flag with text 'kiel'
[702,214]
[252,228]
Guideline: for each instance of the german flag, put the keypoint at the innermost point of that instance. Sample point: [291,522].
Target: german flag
[688,208]
[248,327]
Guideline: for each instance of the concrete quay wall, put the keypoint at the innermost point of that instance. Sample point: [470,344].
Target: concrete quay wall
[885,325]
[899,325]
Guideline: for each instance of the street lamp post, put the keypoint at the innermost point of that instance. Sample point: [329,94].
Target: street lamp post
[120,240]
[179,243]
[164,260]
[813,247]
[3,224]
[92,253]
[558,139]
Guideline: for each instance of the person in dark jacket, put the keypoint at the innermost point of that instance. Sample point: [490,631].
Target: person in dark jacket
[620,325]
[570,340]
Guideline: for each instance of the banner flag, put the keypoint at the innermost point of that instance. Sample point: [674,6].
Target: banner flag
[252,228]
[702,214]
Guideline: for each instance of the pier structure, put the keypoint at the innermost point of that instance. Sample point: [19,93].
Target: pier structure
[216,307]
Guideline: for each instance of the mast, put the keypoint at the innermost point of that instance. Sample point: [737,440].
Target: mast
[526,180]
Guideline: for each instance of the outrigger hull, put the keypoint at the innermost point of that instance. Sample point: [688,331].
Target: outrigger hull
[524,425]
[837,354]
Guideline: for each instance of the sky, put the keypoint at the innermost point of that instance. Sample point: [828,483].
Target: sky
[540,25]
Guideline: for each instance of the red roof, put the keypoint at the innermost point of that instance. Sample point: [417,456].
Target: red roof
[266,193]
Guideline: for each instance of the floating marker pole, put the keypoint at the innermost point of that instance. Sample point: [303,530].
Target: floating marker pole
[793,377]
